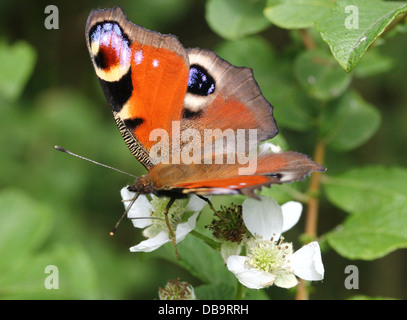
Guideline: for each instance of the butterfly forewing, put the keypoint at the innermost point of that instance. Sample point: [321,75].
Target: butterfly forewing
[143,74]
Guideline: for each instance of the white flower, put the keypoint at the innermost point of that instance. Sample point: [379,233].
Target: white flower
[269,260]
[156,230]
[268,147]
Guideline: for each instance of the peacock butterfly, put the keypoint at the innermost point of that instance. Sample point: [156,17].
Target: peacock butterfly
[191,118]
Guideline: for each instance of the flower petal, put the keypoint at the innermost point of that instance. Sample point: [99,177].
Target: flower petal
[152,243]
[307,262]
[229,248]
[263,218]
[268,147]
[286,280]
[151,231]
[250,278]
[185,227]
[141,208]
[195,204]
[291,214]
[236,264]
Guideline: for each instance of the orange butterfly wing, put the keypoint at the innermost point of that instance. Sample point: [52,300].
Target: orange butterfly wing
[143,74]
[150,80]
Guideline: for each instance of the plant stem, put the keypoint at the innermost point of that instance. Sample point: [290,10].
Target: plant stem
[312,211]
[313,192]
[240,291]
[302,291]
[307,40]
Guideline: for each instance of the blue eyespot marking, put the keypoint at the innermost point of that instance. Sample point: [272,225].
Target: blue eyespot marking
[200,82]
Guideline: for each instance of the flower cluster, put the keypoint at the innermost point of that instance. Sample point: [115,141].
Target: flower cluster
[177,290]
[268,258]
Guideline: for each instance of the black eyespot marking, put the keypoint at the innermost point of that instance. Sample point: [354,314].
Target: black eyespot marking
[100,60]
[188,114]
[200,82]
[132,124]
[117,92]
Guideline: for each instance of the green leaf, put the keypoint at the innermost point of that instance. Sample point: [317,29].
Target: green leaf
[203,261]
[364,189]
[253,294]
[216,291]
[233,19]
[296,14]
[253,52]
[320,75]
[16,64]
[348,122]
[353,25]
[77,271]
[372,235]
[293,108]
[75,275]
[377,198]
[373,63]
[24,224]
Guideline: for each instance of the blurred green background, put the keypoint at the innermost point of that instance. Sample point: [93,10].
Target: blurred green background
[58,210]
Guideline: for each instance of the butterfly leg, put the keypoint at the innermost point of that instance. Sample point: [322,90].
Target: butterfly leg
[167,221]
[209,204]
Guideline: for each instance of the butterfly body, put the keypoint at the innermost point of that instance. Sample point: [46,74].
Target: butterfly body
[190,117]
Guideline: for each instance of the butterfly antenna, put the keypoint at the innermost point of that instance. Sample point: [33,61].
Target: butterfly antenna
[111,233]
[93,161]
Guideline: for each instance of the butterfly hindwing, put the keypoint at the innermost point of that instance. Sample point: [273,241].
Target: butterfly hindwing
[229,98]
[272,168]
